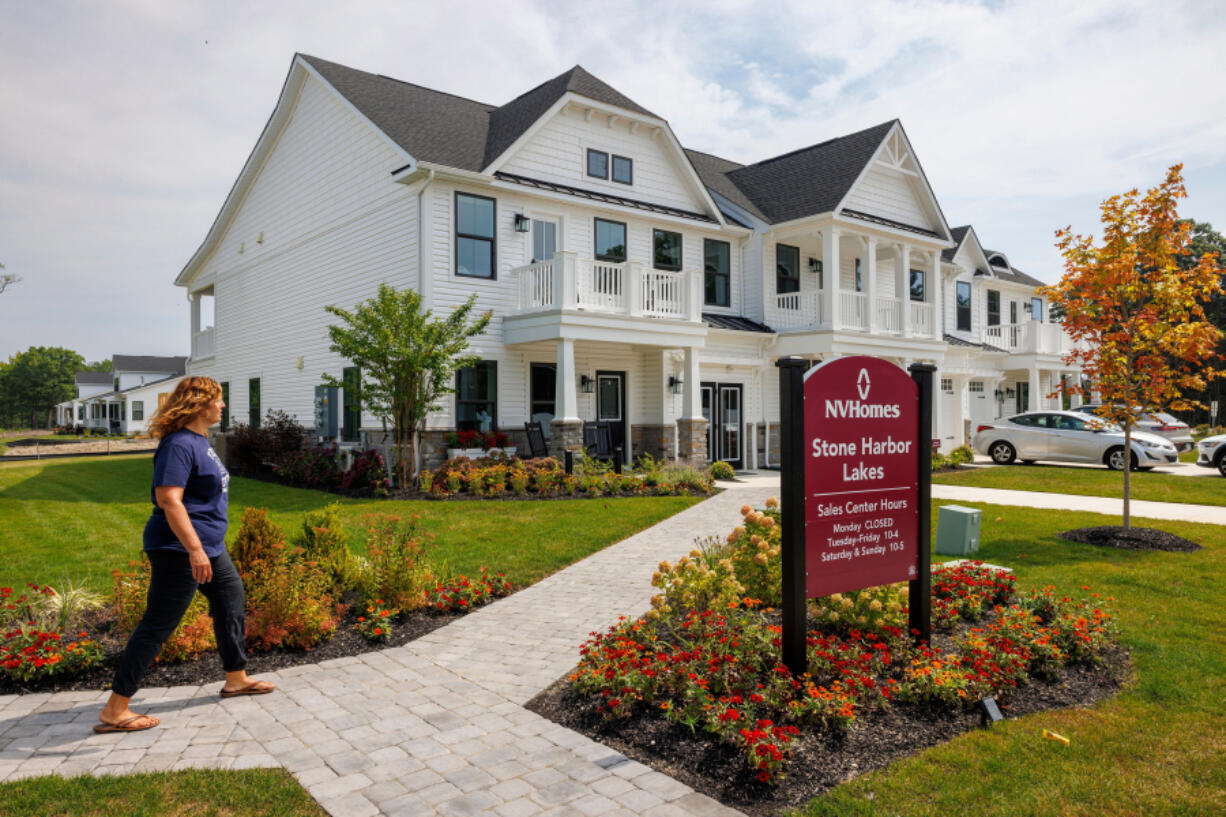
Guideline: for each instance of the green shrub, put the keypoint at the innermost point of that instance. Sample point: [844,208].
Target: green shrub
[324,541]
[722,470]
[193,636]
[961,455]
[258,538]
[400,570]
[289,604]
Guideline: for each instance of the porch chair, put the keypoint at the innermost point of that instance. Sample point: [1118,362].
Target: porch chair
[598,443]
[536,440]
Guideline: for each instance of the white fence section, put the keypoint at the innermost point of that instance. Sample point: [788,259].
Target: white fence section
[663,294]
[922,322]
[797,310]
[853,310]
[202,344]
[889,315]
[601,285]
[568,282]
[536,285]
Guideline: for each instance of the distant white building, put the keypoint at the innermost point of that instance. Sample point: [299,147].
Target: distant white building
[123,399]
[632,281]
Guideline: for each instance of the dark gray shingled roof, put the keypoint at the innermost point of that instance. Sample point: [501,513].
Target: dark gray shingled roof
[508,123]
[714,174]
[431,125]
[138,363]
[93,379]
[957,234]
[811,180]
[1011,273]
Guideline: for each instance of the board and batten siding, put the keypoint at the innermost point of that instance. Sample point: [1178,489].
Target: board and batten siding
[891,195]
[557,152]
[334,227]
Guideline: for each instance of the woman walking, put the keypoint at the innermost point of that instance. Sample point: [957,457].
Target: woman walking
[185,540]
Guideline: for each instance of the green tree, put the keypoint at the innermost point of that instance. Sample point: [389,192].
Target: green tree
[407,359]
[33,381]
[1137,310]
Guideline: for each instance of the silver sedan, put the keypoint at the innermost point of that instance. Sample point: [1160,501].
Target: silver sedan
[1068,436]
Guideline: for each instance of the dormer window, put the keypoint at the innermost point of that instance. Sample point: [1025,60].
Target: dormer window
[623,170]
[597,164]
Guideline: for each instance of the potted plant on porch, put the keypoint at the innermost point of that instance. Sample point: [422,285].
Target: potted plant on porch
[475,444]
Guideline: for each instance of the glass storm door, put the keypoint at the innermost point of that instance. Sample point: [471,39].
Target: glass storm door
[611,406]
[730,424]
[708,402]
[544,239]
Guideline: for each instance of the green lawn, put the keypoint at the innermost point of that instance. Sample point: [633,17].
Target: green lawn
[1208,490]
[82,518]
[201,793]
[1158,748]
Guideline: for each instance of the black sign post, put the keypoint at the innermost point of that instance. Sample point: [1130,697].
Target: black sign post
[792,511]
[919,598]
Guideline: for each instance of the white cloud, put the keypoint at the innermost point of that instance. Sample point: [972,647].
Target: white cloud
[123,125]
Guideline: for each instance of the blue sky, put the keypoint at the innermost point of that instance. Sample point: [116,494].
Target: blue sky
[123,124]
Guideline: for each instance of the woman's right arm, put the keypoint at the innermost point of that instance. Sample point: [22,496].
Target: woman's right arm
[170,500]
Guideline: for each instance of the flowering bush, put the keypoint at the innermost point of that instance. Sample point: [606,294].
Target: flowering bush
[400,568]
[477,439]
[497,475]
[461,593]
[376,624]
[193,636]
[289,604]
[32,646]
[367,474]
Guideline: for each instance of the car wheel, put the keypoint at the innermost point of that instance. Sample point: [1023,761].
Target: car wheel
[1115,459]
[1221,465]
[1001,453]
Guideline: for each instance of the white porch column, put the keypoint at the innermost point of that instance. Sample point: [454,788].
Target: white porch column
[564,292]
[870,289]
[1033,402]
[830,278]
[961,399]
[902,284]
[194,299]
[566,392]
[932,295]
[634,289]
[1075,398]
[691,403]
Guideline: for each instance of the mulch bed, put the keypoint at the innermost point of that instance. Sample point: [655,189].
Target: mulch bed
[206,669]
[1130,539]
[820,761]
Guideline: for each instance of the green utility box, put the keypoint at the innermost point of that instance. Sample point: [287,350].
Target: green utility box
[957,530]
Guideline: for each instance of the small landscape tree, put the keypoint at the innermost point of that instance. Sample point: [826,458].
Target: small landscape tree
[1137,307]
[407,359]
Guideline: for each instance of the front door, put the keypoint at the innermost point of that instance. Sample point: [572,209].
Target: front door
[544,239]
[611,407]
[1023,397]
[722,409]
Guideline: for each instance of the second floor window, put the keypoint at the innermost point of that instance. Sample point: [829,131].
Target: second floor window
[623,170]
[610,241]
[667,250]
[1012,311]
[963,305]
[1036,309]
[993,307]
[474,236]
[716,264]
[476,397]
[787,269]
[597,164]
[917,285]
[859,280]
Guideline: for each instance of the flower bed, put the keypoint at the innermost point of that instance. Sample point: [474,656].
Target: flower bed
[706,657]
[497,476]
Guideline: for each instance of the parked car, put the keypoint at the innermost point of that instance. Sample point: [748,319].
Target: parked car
[1158,422]
[1211,453]
[1069,436]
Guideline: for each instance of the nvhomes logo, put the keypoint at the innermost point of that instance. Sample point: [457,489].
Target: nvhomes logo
[863,383]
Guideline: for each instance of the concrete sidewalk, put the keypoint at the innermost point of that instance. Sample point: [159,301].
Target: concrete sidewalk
[1212,514]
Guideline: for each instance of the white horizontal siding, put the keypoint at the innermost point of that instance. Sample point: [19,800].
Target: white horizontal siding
[558,153]
[891,195]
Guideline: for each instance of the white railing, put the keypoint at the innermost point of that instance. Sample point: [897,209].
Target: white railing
[536,286]
[202,344]
[797,310]
[889,315]
[853,310]
[663,294]
[1010,336]
[601,285]
[922,323]
[569,282]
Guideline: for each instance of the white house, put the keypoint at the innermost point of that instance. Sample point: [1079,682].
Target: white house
[123,399]
[632,281]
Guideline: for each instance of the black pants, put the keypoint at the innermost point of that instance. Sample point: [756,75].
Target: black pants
[171,590]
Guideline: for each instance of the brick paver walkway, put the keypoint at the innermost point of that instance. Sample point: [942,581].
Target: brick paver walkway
[434,727]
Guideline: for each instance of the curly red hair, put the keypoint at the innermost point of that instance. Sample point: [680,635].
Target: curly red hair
[188,399]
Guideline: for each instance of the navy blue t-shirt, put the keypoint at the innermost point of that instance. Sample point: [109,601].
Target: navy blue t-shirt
[184,458]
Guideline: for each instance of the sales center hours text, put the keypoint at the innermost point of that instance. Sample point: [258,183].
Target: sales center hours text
[858,537]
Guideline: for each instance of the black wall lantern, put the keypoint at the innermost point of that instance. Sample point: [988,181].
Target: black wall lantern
[675,384]
[522,223]
[815,265]
[586,384]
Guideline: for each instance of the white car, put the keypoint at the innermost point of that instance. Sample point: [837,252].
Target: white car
[1068,436]
[1211,453]
[1156,422]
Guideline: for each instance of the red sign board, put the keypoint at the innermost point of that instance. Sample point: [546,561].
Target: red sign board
[861,431]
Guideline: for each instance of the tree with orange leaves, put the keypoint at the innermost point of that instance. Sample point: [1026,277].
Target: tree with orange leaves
[1137,315]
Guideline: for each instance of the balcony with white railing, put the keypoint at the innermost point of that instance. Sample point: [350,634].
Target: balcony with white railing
[1029,338]
[853,310]
[889,315]
[567,282]
[797,310]
[202,344]
[923,322]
